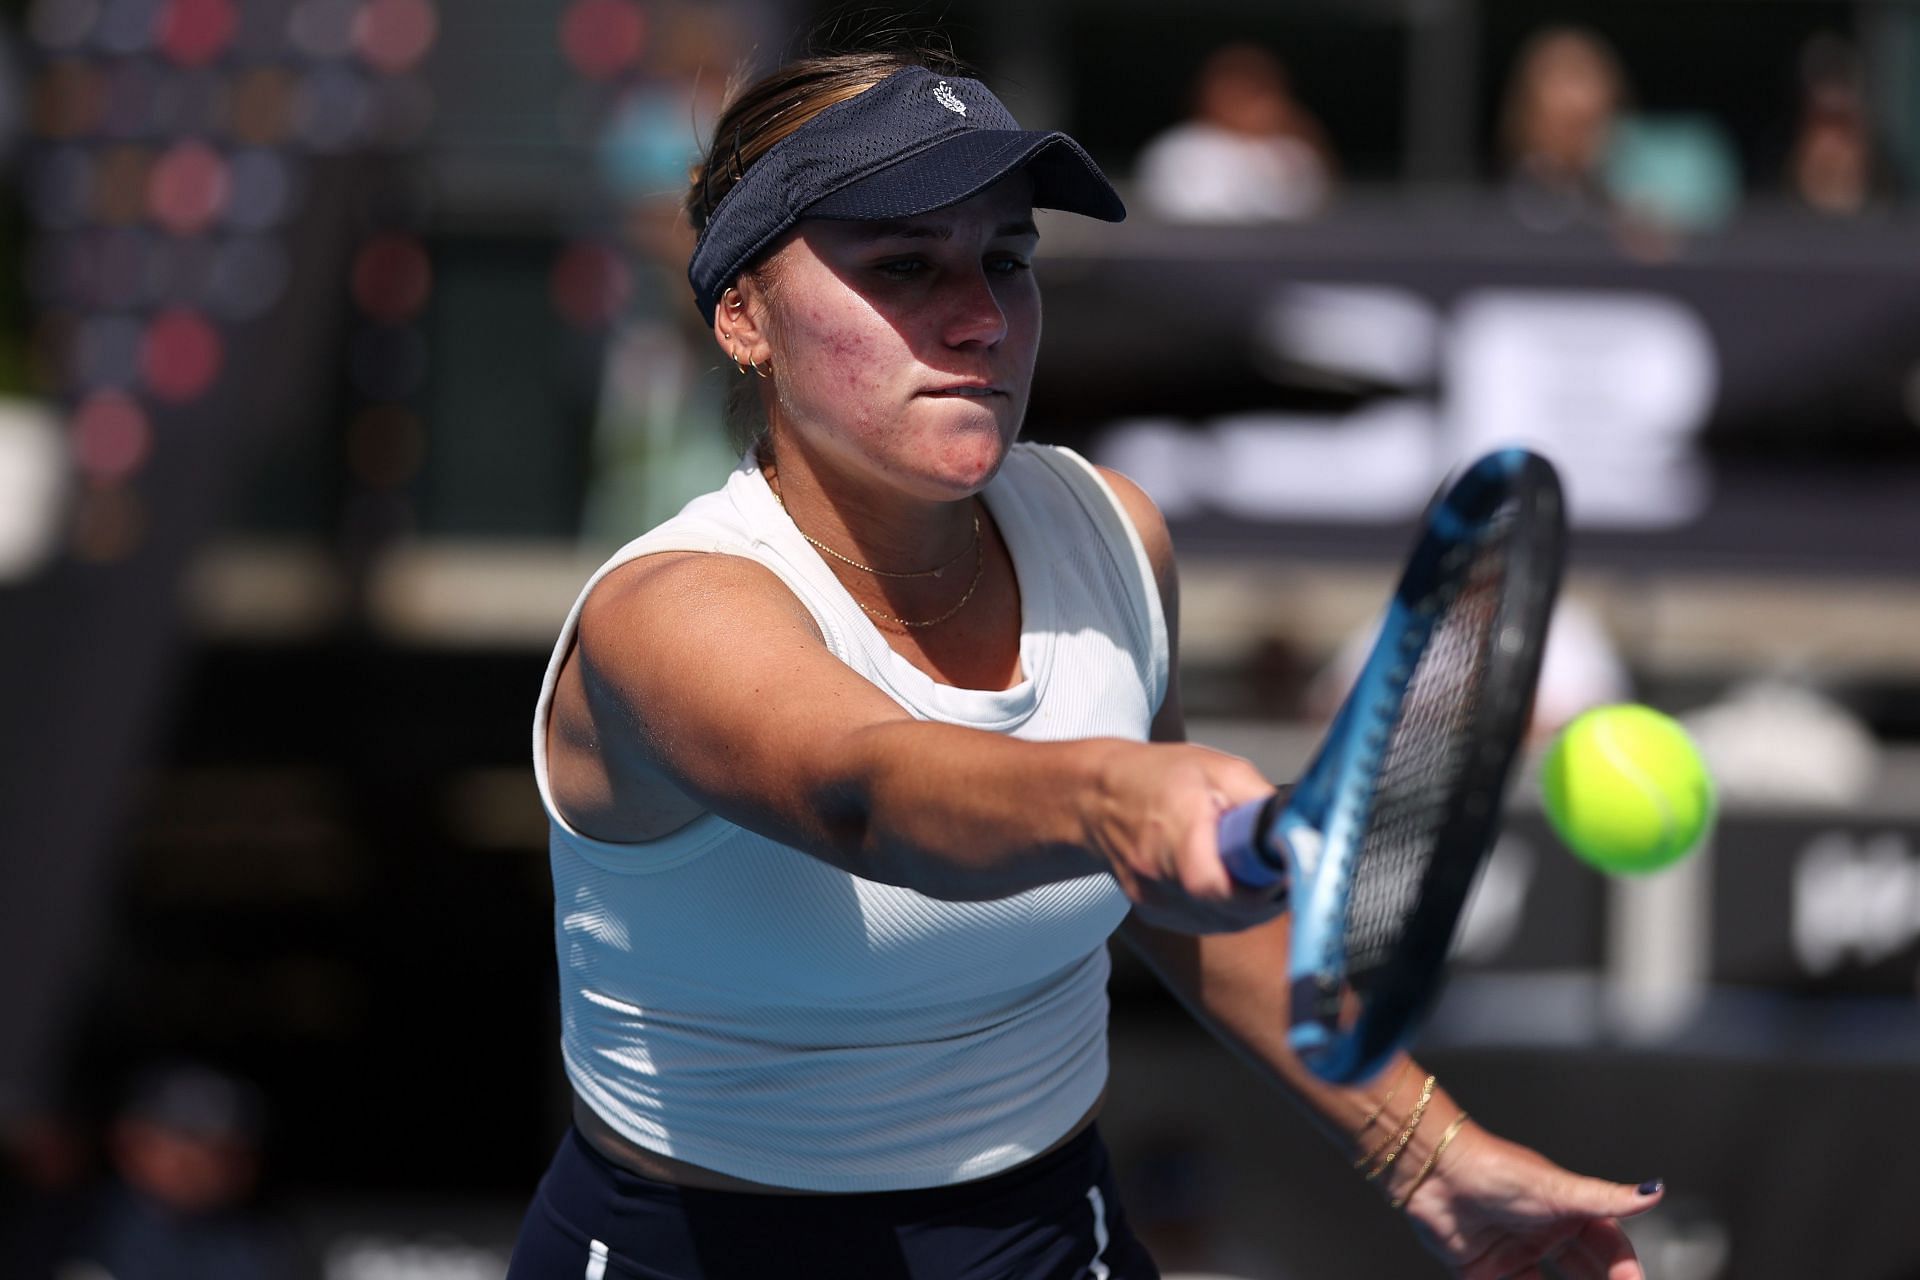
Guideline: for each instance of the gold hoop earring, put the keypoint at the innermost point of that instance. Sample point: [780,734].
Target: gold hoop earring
[738,364]
[766,372]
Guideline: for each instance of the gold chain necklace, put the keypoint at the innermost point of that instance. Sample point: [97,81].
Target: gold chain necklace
[979,569]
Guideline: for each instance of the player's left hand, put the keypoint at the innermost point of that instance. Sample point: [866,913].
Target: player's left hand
[1495,1210]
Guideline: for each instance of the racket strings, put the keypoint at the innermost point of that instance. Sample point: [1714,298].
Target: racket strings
[1425,752]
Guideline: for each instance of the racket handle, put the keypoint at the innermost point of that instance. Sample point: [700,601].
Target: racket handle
[1244,847]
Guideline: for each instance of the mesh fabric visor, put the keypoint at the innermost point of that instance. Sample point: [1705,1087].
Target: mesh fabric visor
[914,142]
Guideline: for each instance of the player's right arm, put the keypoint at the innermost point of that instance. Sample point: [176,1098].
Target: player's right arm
[707,671]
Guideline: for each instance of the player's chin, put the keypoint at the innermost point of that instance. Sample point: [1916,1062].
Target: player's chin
[969,438]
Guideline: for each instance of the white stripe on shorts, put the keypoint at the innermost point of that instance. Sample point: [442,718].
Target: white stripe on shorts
[1098,1269]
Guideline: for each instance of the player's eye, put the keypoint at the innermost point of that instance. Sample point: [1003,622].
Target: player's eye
[1008,264]
[901,268]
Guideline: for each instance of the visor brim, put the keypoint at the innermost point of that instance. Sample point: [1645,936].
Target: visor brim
[961,167]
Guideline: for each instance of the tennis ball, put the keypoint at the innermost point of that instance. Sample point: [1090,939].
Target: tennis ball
[1626,789]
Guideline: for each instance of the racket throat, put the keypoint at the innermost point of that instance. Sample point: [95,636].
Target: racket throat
[1317,1002]
[1299,844]
[1314,1017]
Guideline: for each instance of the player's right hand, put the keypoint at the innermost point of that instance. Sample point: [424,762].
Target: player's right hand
[1154,816]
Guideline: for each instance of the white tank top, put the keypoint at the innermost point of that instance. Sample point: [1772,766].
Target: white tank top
[731,1001]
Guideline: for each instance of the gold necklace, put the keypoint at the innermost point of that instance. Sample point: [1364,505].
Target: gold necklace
[979,569]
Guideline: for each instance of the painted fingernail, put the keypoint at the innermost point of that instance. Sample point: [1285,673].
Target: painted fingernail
[1652,1186]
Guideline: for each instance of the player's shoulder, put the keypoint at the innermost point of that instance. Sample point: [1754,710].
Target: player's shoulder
[1132,497]
[684,590]
[1143,512]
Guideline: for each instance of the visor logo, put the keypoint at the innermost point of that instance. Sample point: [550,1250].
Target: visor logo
[944,95]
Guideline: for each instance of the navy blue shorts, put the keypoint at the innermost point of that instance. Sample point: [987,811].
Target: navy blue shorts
[1056,1218]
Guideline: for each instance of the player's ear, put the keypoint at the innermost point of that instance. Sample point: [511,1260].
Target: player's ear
[739,322]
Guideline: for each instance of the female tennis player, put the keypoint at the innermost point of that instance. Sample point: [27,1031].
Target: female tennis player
[854,766]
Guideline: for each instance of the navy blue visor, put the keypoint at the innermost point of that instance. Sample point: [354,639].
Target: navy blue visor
[915,142]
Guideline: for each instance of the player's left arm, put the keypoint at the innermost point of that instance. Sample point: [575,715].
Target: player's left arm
[1488,1204]
[1237,983]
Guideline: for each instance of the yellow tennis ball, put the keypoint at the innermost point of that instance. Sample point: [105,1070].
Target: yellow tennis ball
[1626,789]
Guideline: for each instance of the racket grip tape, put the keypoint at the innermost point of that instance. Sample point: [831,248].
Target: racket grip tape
[1244,847]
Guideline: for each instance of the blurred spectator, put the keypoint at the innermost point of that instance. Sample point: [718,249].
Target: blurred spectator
[1833,167]
[1566,92]
[185,1156]
[1250,152]
[1576,156]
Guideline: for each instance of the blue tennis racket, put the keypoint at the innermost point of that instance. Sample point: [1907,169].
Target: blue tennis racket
[1377,845]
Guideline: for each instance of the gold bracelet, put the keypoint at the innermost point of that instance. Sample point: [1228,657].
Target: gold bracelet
[1367,1124]
[1427,1168]
[1413,1119]
[1400,1142]
[1375,1113]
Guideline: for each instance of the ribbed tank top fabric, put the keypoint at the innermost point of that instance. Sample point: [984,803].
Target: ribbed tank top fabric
[731,1001]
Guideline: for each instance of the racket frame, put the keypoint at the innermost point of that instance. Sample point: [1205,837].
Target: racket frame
[1311,842]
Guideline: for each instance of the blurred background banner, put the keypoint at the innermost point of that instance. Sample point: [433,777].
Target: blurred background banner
[1752,412]
[341,339]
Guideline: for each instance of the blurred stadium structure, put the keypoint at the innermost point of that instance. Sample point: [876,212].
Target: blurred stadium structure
[347,336]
